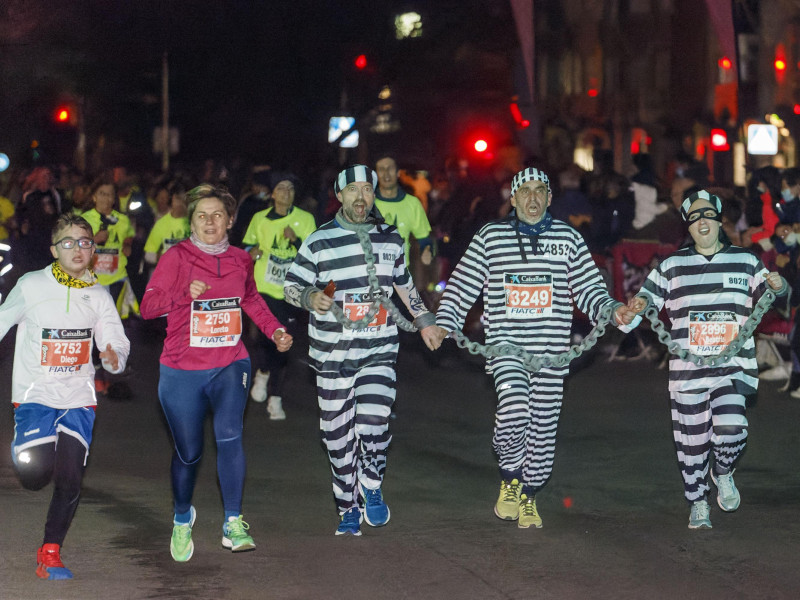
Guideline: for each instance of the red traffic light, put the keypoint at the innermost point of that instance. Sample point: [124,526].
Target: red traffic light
[719,140]
[361,62]
[481,145]
[725,63]
[62,114]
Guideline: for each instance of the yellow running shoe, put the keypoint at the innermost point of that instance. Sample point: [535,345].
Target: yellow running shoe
[528,515]
[507,506]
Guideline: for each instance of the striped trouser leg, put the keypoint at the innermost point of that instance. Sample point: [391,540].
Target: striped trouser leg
[528,407]
[700,421]
[729,422]
[354,423]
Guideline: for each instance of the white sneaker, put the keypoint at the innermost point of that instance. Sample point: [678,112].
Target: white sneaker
[795,393]
[258,391]
[728,496]
[698,517]
[778,373]
[275,409]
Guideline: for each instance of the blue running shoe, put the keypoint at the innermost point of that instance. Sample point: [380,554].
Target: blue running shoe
[376,513]
[350,523]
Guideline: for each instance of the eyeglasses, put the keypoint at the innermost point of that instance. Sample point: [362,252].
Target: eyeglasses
[69,243]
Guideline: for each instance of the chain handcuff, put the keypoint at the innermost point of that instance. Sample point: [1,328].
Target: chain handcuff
[379,298]
[745,333]
[533,362]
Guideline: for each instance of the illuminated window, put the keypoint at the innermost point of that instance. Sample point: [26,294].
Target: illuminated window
[408,25]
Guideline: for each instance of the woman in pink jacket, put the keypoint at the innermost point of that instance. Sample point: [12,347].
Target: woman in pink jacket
[202,285]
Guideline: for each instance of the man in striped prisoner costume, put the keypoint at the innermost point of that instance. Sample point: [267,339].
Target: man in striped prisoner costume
[530,269]
[708,290]
[355,368]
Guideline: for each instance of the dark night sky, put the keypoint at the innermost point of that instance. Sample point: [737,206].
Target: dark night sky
[254,78]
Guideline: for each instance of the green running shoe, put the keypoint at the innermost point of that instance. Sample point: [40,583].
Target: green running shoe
[181,545]
[235,537]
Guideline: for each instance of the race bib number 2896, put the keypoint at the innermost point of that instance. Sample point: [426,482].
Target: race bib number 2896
[710,331]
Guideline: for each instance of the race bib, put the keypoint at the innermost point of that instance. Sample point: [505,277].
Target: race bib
[277,268]
[215,323]
[356,306]
[65,351]
[105,261]
[710,331]
[528,295]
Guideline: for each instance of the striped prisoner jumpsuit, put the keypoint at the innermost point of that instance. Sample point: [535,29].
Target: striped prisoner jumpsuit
[355,368]
[528,296]
[707,300]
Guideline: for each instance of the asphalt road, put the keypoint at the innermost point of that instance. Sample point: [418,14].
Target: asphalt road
[614,515]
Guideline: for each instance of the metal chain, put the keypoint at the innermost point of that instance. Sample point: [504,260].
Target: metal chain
[536,363]
[376,293]
[745,333]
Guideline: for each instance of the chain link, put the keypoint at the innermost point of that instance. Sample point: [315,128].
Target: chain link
[745,333]
[376,292]
[535,363]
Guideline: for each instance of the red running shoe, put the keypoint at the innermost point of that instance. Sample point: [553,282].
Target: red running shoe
[48,559]
[100,386]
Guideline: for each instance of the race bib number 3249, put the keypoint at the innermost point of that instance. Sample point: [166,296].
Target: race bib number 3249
[528,295]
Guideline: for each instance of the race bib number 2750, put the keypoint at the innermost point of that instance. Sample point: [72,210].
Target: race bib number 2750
[215,323]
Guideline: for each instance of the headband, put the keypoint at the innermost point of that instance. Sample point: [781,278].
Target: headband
[352,174]
[529,174]
[701,195]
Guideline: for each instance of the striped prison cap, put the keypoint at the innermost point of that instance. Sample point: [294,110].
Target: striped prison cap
[529,174]
[355,173]
[701,195]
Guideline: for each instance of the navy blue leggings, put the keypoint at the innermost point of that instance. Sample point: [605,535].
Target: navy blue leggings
[186,398]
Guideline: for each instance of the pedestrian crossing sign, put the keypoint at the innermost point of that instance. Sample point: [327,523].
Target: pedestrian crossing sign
[762,139]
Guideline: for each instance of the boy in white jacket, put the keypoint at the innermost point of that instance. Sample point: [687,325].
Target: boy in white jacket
[59,310]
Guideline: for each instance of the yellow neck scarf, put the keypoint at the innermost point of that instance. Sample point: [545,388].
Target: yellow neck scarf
[68,280]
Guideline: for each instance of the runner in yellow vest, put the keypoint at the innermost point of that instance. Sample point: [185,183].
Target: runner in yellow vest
[113,235]
[273,238]
[170,229]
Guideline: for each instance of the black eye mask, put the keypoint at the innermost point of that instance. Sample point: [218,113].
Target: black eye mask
[706,213]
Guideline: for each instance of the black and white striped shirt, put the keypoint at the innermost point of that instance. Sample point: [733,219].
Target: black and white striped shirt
[332,253]
[528,296]
[707,300]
